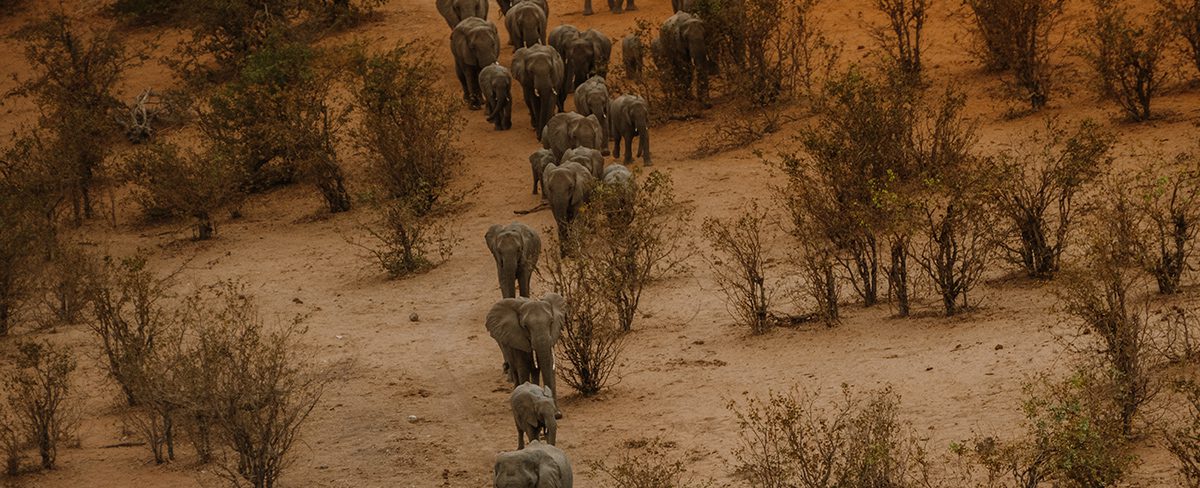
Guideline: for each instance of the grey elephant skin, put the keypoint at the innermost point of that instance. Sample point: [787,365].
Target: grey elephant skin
[630,116]
[633,55]
[526,24]
[569,129]
[685,48]
[507,4]
[496,83]
[516,249]
[455,11]
[617,175]
[539,69]
[526,330]
[591,98]
[567,187]
[590,158]
[538,465]
[476,45]
[681,5]
[614,6]
[533,411]
[584,53]
[538,161]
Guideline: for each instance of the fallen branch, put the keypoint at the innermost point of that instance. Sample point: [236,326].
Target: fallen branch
[540,207]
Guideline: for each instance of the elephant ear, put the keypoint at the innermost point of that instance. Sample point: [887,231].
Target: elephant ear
[546,172]
[490,237]
[504,324]
[558,307]
[518,65]
[549,472]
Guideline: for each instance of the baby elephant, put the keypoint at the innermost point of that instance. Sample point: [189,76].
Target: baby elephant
[536,466]
[516,248]
[533,411]
[496,83]
[538,161]
[630,116]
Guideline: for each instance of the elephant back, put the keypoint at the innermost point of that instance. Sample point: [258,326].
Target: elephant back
[561,37]
[477,41]
[523,12]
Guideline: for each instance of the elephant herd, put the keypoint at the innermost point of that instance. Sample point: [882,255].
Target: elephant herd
[567,168]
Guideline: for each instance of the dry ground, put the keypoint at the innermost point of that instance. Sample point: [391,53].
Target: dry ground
[684,361]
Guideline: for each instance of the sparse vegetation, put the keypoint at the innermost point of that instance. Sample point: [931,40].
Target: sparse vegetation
[1128,56]
[174,182]
[741,265]
[1040,188]
[24,229]
[40,393]
[1184,16]
[1016,38]
[1167,199]
[64,286]
[649,464]
[129,321]
[1184,441]
[901,38]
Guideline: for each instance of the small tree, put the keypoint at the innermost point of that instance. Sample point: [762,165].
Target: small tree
[1168,200]
[901,37]
[1016,37]
[39,392]
[12,440]
[649,464]
[128,320]
[740,264]
[405,241]
[1184,441]
[1184,16]
[1038,192]
[1128,58]
[64,285]
[22,233]
[179,183]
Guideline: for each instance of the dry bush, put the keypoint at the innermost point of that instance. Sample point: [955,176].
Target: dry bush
[901,37]
[821,283]
[740,266]
[224,33]
[1176,340]
[275,122]
[64,287]
[75,74]
[649,464]
[1071,438]
[787,440]
[1184,16]
[591,341]
[666,94]
[634,236]
[1184,441]
[40,396]
[404,241]
[24,230]
[12,441]
[1128,57]
[1167,200]
[128,319]
[179,183]
[1016,38]
[1039,188]
[1103,293]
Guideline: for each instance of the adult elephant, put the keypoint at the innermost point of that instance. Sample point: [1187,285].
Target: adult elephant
[496,83]
[567,187]
[516,248]
[686,51]
[476,45]
[630,116]
[526,330]
[585,54]
[538,465]
[590,158]
[569,129]
[526,24]
[633,55]
[614,6]
[539,69]
[507,4]
[681,5]
[591,98]
[455,11]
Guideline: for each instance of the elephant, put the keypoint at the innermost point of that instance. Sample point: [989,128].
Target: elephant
[614,6]
[567,130]
[591,98]
[682,5]
[585,57]
[685,49]
[533,411]
[567,186]
[538,465]
[526,24]
[476,44]
[538,161]
[589,158]
[539,69]
[516,248]
[632,55]
[455,11]
[630,116]
[526,330]
[496,84]
[507,4]
[617,175]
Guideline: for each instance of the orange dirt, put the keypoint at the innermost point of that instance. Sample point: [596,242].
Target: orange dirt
[684,361]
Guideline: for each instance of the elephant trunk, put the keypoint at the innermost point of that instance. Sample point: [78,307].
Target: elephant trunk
[551,428]
[545,359]
[508,274]
[546,111]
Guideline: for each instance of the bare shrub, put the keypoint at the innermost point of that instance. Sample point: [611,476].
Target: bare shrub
[1103,293]
[1129,59]
[1039,188]
[1177,338]
[1184,16]
[224,33]
[404,241]
[24,231]
[787,440]
[128,319]
[649,464]
[65,286]
[74,77]
[1016,37]
[12,441]
[740,265]
[1184,441]
[183,184]
[901,37]
[40,395]
[1070,438]
[1167,199]
[821,283]
[634,236]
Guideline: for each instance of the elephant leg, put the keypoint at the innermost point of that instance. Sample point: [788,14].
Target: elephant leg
[523,279]
[629,6]
[529,102]
[520,437]
[460,70]
[510,367]
[644,146]
[587,7]
[616,151]
[628,136]
[473,83]
[547,111]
